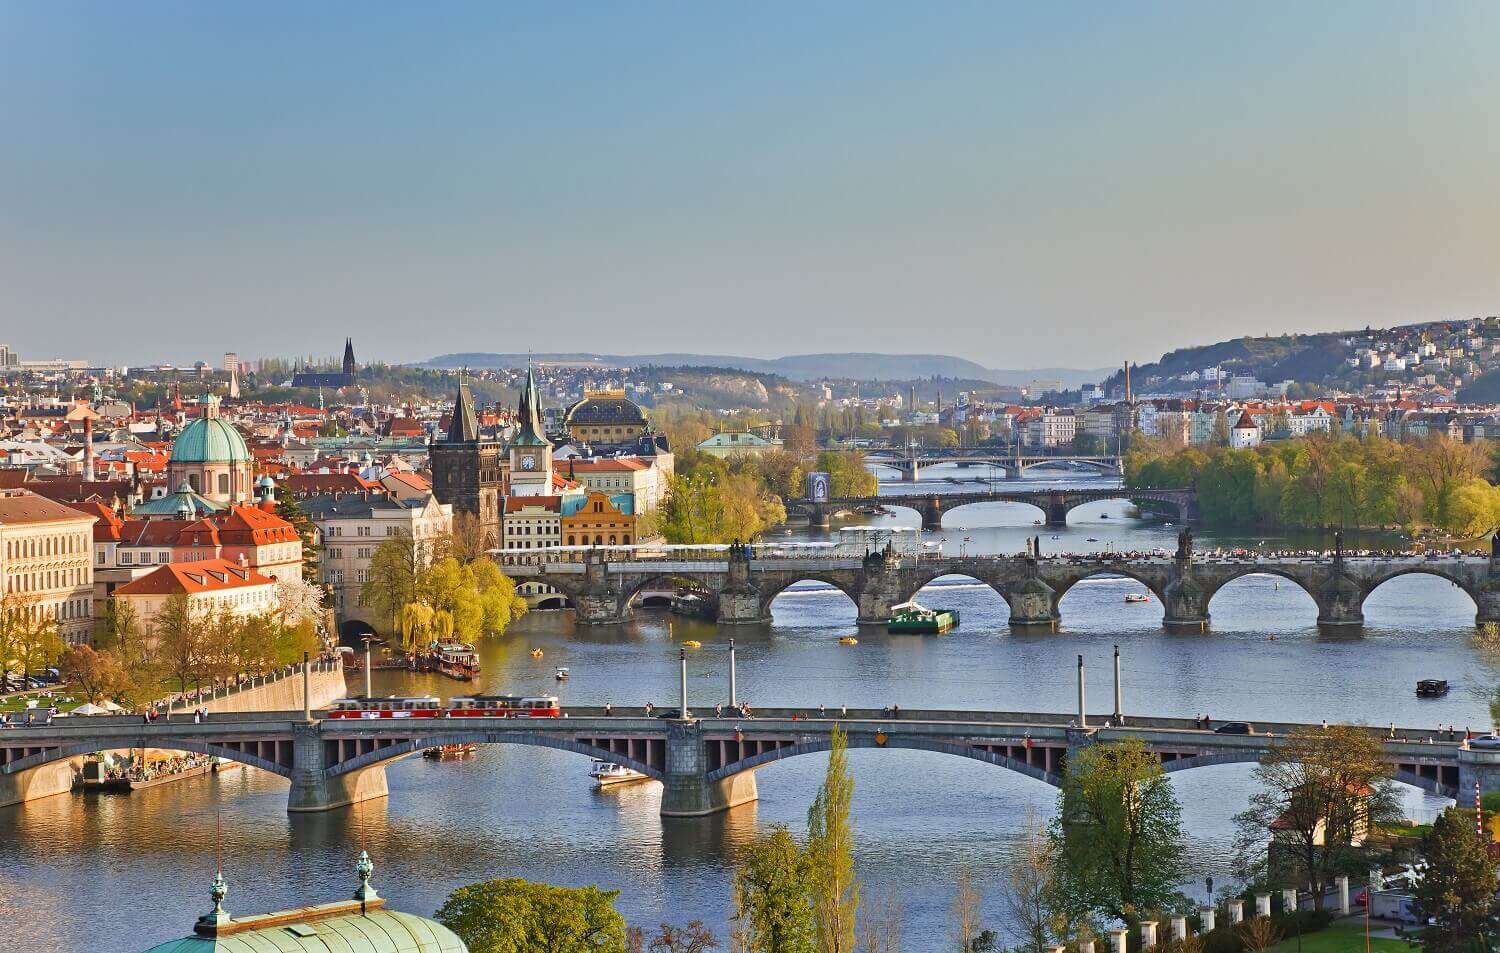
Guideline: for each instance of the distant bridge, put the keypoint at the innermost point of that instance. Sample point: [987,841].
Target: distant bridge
[1015,463]
[704,764]
[740,588]
[1055,504]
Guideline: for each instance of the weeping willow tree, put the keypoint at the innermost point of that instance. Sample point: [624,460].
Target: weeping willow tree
[415,621]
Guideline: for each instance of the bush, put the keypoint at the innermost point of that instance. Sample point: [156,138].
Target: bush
[1303,922]
[1221,940]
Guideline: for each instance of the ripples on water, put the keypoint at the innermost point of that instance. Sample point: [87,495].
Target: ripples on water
[121,873]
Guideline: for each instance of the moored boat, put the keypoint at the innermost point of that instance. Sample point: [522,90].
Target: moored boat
[913,618]
[448,752]
[606,773]
[456,660]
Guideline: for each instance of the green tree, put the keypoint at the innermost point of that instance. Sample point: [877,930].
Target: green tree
[773,890]
[94,675]
[1457,888]
[830,846]
[178,634]
[28,633]
[1118,832]
[512,915]
[1321,789]
[290,510]
[395,575]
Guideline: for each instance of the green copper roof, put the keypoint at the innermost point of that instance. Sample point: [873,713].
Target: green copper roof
[379,931]
[530,412]
[210,440]
[174,503]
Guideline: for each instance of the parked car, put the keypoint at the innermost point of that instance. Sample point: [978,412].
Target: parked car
[1235,728]
[1485,743]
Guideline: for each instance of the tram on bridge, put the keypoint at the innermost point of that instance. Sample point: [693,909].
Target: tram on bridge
[464,706]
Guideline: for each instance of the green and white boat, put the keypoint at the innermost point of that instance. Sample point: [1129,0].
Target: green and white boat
[912,619]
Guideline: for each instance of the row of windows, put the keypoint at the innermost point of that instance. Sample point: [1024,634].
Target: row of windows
[599,540]
[43,581]
[45,546]
[365,531]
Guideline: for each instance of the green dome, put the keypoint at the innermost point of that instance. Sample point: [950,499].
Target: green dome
[209,440]
[379,931]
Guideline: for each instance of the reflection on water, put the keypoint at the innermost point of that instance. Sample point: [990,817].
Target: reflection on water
[142,863]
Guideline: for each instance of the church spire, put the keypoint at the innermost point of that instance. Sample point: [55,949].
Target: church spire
[530,413]
[349,358]
[464,427]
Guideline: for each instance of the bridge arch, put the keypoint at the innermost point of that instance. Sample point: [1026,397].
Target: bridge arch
[76,750]
[411,746]
[1218,585]
[936,575]
[1402,774]
[1109,570]
[770,589]
[1422,570]
[997,498]
[895,742]
[667,579]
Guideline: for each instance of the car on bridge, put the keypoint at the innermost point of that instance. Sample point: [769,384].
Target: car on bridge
[1235,728]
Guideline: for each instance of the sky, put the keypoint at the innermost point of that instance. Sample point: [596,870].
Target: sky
[1021,184]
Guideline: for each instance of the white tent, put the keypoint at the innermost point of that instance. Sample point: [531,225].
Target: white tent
[89,708]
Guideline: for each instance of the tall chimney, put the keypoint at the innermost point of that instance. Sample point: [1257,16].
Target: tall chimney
[88,449]
[1129,397]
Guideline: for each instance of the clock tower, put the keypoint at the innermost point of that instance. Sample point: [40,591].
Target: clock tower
[530,453]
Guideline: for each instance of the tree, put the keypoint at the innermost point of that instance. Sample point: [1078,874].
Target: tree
[178,634]
[290,510]
[1258,933]
[94,675]
[394,575]
[880,924]
[1322,789]
[1457,888]
[1118,832]
[300,601]
[512,915]
[693,938]
[830,846]
[966,913]
[773,910]
[28,633]
[470,539]
[1026,892]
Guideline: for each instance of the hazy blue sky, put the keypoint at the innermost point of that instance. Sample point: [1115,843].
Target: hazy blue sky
[1049,183]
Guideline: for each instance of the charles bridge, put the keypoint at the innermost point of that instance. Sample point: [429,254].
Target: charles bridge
[1055,504]
[910,460]
[741,585]
[705,764]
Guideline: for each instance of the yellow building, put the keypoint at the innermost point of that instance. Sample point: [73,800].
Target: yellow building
[47,563]
[605,417]
[601,521]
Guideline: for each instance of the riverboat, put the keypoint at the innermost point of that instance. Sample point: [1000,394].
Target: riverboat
[916,619]
[1137,597]
[450,752]
[606,773]
[1432,688]
[457,660]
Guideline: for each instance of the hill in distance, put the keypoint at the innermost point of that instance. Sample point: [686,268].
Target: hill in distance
[798,367]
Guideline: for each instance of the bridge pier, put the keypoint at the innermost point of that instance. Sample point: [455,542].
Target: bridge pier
[1185,601]
[1057,510]
[599,603]
[313,790]
[686,789]
[932,513]
[56,777]
[740,602]
[1487,601]
[1340,599]
[1478,766]
[818,516]
[1033,604]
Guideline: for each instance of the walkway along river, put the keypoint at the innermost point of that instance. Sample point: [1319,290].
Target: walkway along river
[141,863]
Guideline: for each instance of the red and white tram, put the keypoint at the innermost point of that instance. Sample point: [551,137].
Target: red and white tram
[505,706]
[427,706]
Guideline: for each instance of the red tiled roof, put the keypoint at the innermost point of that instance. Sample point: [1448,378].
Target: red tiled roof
[514,504]
[107,529]
[207,575]
[19,507]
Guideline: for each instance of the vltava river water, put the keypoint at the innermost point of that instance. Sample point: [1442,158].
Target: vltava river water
[120,873]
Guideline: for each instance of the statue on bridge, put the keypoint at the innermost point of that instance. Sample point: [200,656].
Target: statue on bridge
[1185,543]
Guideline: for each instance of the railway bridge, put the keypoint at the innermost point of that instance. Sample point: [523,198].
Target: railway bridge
[741,585]
[704,764]
[1055,504]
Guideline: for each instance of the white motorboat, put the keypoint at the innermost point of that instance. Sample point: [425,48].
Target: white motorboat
[606,773]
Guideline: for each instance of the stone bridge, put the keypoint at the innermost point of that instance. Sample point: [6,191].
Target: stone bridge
[910,463]
[705,765]
[1055,504]
[603,592]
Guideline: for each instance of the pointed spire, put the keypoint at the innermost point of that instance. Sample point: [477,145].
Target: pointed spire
[464,427]
[529,412]
[211,921]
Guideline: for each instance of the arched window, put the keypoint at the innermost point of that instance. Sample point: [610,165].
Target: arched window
[223,484]
[193,483]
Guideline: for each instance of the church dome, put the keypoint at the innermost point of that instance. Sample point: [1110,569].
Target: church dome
[606,408]
[209,440]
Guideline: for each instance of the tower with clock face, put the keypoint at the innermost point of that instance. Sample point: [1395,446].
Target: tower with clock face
[530,451]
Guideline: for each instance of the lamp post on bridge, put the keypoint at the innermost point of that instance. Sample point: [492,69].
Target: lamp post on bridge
[306,687]
[734,701]
[1119,706]
[682,660]
[1083,718]
[368,692]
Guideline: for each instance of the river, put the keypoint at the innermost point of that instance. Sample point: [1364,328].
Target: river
[120,873]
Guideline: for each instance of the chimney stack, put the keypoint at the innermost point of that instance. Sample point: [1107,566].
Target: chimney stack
[88,449]
[1129,396]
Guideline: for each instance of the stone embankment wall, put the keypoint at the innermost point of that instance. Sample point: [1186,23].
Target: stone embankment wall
[279,692]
